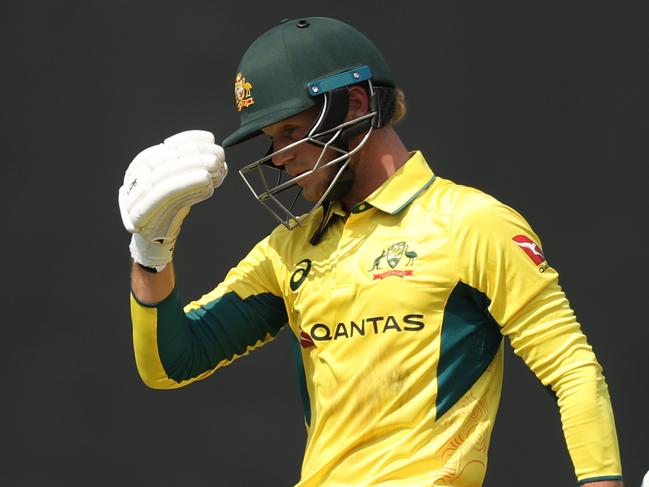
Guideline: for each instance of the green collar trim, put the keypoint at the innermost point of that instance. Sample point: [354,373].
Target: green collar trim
[414,196]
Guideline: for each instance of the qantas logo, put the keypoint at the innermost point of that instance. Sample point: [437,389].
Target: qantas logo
[305,340]
[374,325]
[531,248]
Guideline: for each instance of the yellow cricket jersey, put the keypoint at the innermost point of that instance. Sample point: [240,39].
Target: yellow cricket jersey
[398,316]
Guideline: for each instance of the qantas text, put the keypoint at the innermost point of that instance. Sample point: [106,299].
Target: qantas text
[375,325]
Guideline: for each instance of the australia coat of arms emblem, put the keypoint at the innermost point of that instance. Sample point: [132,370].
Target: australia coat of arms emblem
[242,92]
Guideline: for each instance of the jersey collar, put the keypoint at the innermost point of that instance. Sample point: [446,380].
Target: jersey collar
[399,190]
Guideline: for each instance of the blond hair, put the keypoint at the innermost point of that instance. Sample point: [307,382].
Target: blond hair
[399,106]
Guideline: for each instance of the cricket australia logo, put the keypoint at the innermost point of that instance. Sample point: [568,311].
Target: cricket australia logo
[242,92]
[393,255]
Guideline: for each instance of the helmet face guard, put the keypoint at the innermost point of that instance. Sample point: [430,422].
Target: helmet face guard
[330,132]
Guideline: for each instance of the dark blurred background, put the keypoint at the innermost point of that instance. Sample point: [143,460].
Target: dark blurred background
[542,104]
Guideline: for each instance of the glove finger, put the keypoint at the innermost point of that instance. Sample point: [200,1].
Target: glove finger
[191,135]
[140,161]
[197,147]
[188,199]
[145,154]
[169,225]
[167,192]
[158,222]
[163,154]
[219,175]
[211,149]
[123,211]
[172,152]
[165,222]
[135,186]
[207,162]
[184,143]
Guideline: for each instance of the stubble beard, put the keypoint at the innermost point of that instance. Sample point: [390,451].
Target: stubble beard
[314,190]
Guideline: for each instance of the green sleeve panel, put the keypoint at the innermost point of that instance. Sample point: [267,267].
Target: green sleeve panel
[216,333]
[470,340]
[301,379]
[175,346]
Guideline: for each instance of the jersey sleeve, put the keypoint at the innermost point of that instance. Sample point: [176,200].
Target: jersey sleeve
[496,252]
[176,345]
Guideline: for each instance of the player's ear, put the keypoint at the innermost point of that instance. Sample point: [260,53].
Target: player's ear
[359,102]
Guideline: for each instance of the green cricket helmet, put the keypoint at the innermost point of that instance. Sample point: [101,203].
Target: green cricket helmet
[297,65]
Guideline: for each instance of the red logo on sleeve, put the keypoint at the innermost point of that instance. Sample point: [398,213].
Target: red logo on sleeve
[530,248]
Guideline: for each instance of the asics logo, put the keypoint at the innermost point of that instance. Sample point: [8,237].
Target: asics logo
[299,275]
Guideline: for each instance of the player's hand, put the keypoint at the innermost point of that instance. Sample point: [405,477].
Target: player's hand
[160,186]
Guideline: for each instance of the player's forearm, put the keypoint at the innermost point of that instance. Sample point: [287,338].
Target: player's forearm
[152,287]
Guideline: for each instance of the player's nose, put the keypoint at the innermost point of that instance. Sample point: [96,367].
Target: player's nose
[282,158]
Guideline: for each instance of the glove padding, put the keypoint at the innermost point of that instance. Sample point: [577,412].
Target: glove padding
[160,186]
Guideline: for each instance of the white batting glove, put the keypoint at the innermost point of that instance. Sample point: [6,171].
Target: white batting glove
[160,186]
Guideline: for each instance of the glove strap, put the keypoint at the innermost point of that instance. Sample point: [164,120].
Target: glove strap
[155,255]
[152,270]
